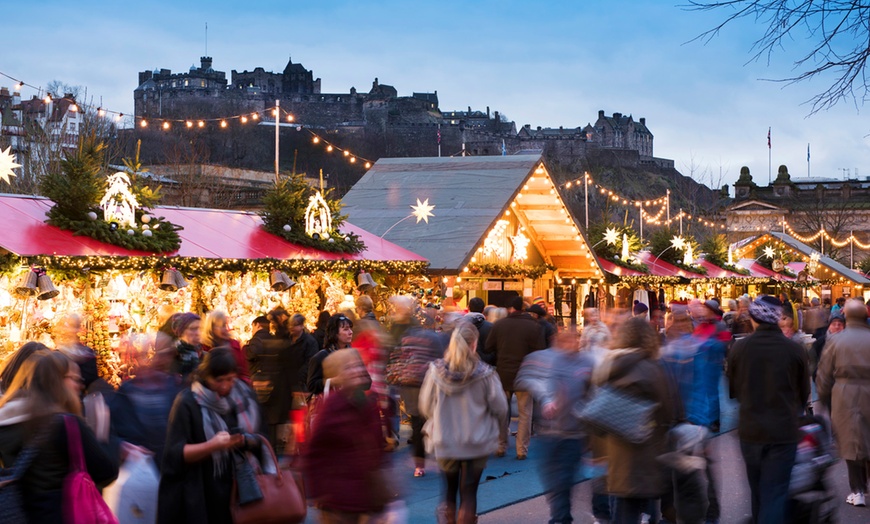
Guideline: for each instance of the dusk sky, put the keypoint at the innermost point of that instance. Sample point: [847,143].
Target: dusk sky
[546,64]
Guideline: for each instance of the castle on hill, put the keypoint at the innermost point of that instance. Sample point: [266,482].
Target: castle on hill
[401,125]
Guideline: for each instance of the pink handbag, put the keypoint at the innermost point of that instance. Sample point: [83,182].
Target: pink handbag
[82,502]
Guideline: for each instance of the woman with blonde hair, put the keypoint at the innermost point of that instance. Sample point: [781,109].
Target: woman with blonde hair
[464,403]
[216,333]
[635,477]
[33,409]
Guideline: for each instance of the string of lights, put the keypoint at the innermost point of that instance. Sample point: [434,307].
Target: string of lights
[822,233]
[823,273]
[167,124]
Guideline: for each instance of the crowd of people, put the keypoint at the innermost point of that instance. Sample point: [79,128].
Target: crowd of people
[203,406]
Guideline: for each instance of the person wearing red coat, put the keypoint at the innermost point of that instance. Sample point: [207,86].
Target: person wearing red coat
[216,333]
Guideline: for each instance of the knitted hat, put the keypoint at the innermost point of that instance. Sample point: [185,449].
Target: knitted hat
[639,308]
[713,305]
[538,310]
[181,321]
[838,317]
[766,310]
[539,300]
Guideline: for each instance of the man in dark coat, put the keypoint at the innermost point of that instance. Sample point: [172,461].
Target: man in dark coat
[476,317]
[512,338]
[769,375]
[272,363]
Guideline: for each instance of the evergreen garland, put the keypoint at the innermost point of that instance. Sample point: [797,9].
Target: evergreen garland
[284,215]
[76,191]
[510,270]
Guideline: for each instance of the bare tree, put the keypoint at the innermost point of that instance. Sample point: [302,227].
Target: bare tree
[824,209]
[837,31]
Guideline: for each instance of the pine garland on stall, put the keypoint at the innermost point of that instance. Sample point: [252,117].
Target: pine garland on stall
[76,191]
[284,215]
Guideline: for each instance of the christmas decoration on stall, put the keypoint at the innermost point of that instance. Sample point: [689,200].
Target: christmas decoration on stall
[509,270]
[7,164]
[305,216]
[79,191]
[776,260]
[423,210]
[717,251]
[613,242]
[676,250]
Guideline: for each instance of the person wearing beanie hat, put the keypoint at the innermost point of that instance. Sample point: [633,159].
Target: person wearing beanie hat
[639,309]
[769,376]
[185,328]
[843,383]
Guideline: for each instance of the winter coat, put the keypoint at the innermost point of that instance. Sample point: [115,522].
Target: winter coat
[512,338]
[241,361]
[345,455]
[464,413]
[274,368]
[483,326]
[843,383]
[42,484]
[562,378]
[633,470]
[769,375]
[694,366]
[410,360]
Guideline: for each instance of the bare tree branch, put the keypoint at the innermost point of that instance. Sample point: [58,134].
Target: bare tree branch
[838,32]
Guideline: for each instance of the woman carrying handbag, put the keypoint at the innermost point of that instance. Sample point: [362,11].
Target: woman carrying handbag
[211,419]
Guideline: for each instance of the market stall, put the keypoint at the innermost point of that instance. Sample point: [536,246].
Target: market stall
[226,261]
[493,227]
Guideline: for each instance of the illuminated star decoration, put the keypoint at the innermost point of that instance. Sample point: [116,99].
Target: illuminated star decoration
[677,242]
[815,257]
[611,236]
[521,246]
[769,252]
[423,210]
[7,164]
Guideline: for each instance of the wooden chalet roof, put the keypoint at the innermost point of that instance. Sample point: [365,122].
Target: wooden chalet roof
[470,195]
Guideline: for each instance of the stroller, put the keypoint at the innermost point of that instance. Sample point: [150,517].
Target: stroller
[811,501]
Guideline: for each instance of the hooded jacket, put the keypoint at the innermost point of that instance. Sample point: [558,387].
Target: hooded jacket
[464,413]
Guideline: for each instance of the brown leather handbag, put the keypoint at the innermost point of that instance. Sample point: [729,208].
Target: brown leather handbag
[283,497]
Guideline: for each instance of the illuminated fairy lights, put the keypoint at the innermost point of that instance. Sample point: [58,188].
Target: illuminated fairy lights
[773,247]
[812,238]
[167,124]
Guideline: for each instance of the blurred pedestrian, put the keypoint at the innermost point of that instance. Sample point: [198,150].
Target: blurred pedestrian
[319,332]
[512,339]
[66,338]
[635,477]
[769,375]
[343,464]
[843,384]
[217,415]
[188,348]
[339,335]
[216,333]
[13,362]
[559,379]
[478,319]
[33,410]
[464,405]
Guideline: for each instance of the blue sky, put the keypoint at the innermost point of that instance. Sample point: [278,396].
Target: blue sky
[540,63]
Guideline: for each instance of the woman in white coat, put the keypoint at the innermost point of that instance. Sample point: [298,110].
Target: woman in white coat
[464,404]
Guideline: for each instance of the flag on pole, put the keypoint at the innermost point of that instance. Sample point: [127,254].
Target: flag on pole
[439,133]
[768,138]
[808,152]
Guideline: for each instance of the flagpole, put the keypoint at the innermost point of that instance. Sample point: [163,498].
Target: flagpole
[586,197]
[439,140]
[808,159]
[768,157]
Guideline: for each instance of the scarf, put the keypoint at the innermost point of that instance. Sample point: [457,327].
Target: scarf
[214,408]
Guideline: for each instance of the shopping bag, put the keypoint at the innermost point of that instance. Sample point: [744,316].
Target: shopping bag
[133,495]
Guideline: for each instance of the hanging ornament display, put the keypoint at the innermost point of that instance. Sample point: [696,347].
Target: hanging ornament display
[625,251]
[494,244]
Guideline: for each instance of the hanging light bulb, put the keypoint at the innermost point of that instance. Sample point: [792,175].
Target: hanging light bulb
[223,123]
[189,124]
[143,123]
[101,111]
[118,117]
[368,165]
[200,124]
[47,99]
[353,160]
[165,125]
[255,116]
[346,153]
[19,85]
[329,148]
[290,118]
[244,119]
[316,139]
[74,108]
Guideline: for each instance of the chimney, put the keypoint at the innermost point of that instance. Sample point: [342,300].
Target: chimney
[496,116]
[600,113]
[643,121]
[487,112]
[206,62]
[469,110]
[144,76]
[528,126]
[617,115]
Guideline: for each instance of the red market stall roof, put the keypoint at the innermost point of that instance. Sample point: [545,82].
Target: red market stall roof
[207,233]
[659,267]
[757,270]
[714,271]
[618,270]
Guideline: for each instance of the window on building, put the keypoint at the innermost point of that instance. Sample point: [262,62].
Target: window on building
[186,82]
[202,83]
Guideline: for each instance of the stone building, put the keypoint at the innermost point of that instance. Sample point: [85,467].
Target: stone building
[801,207]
